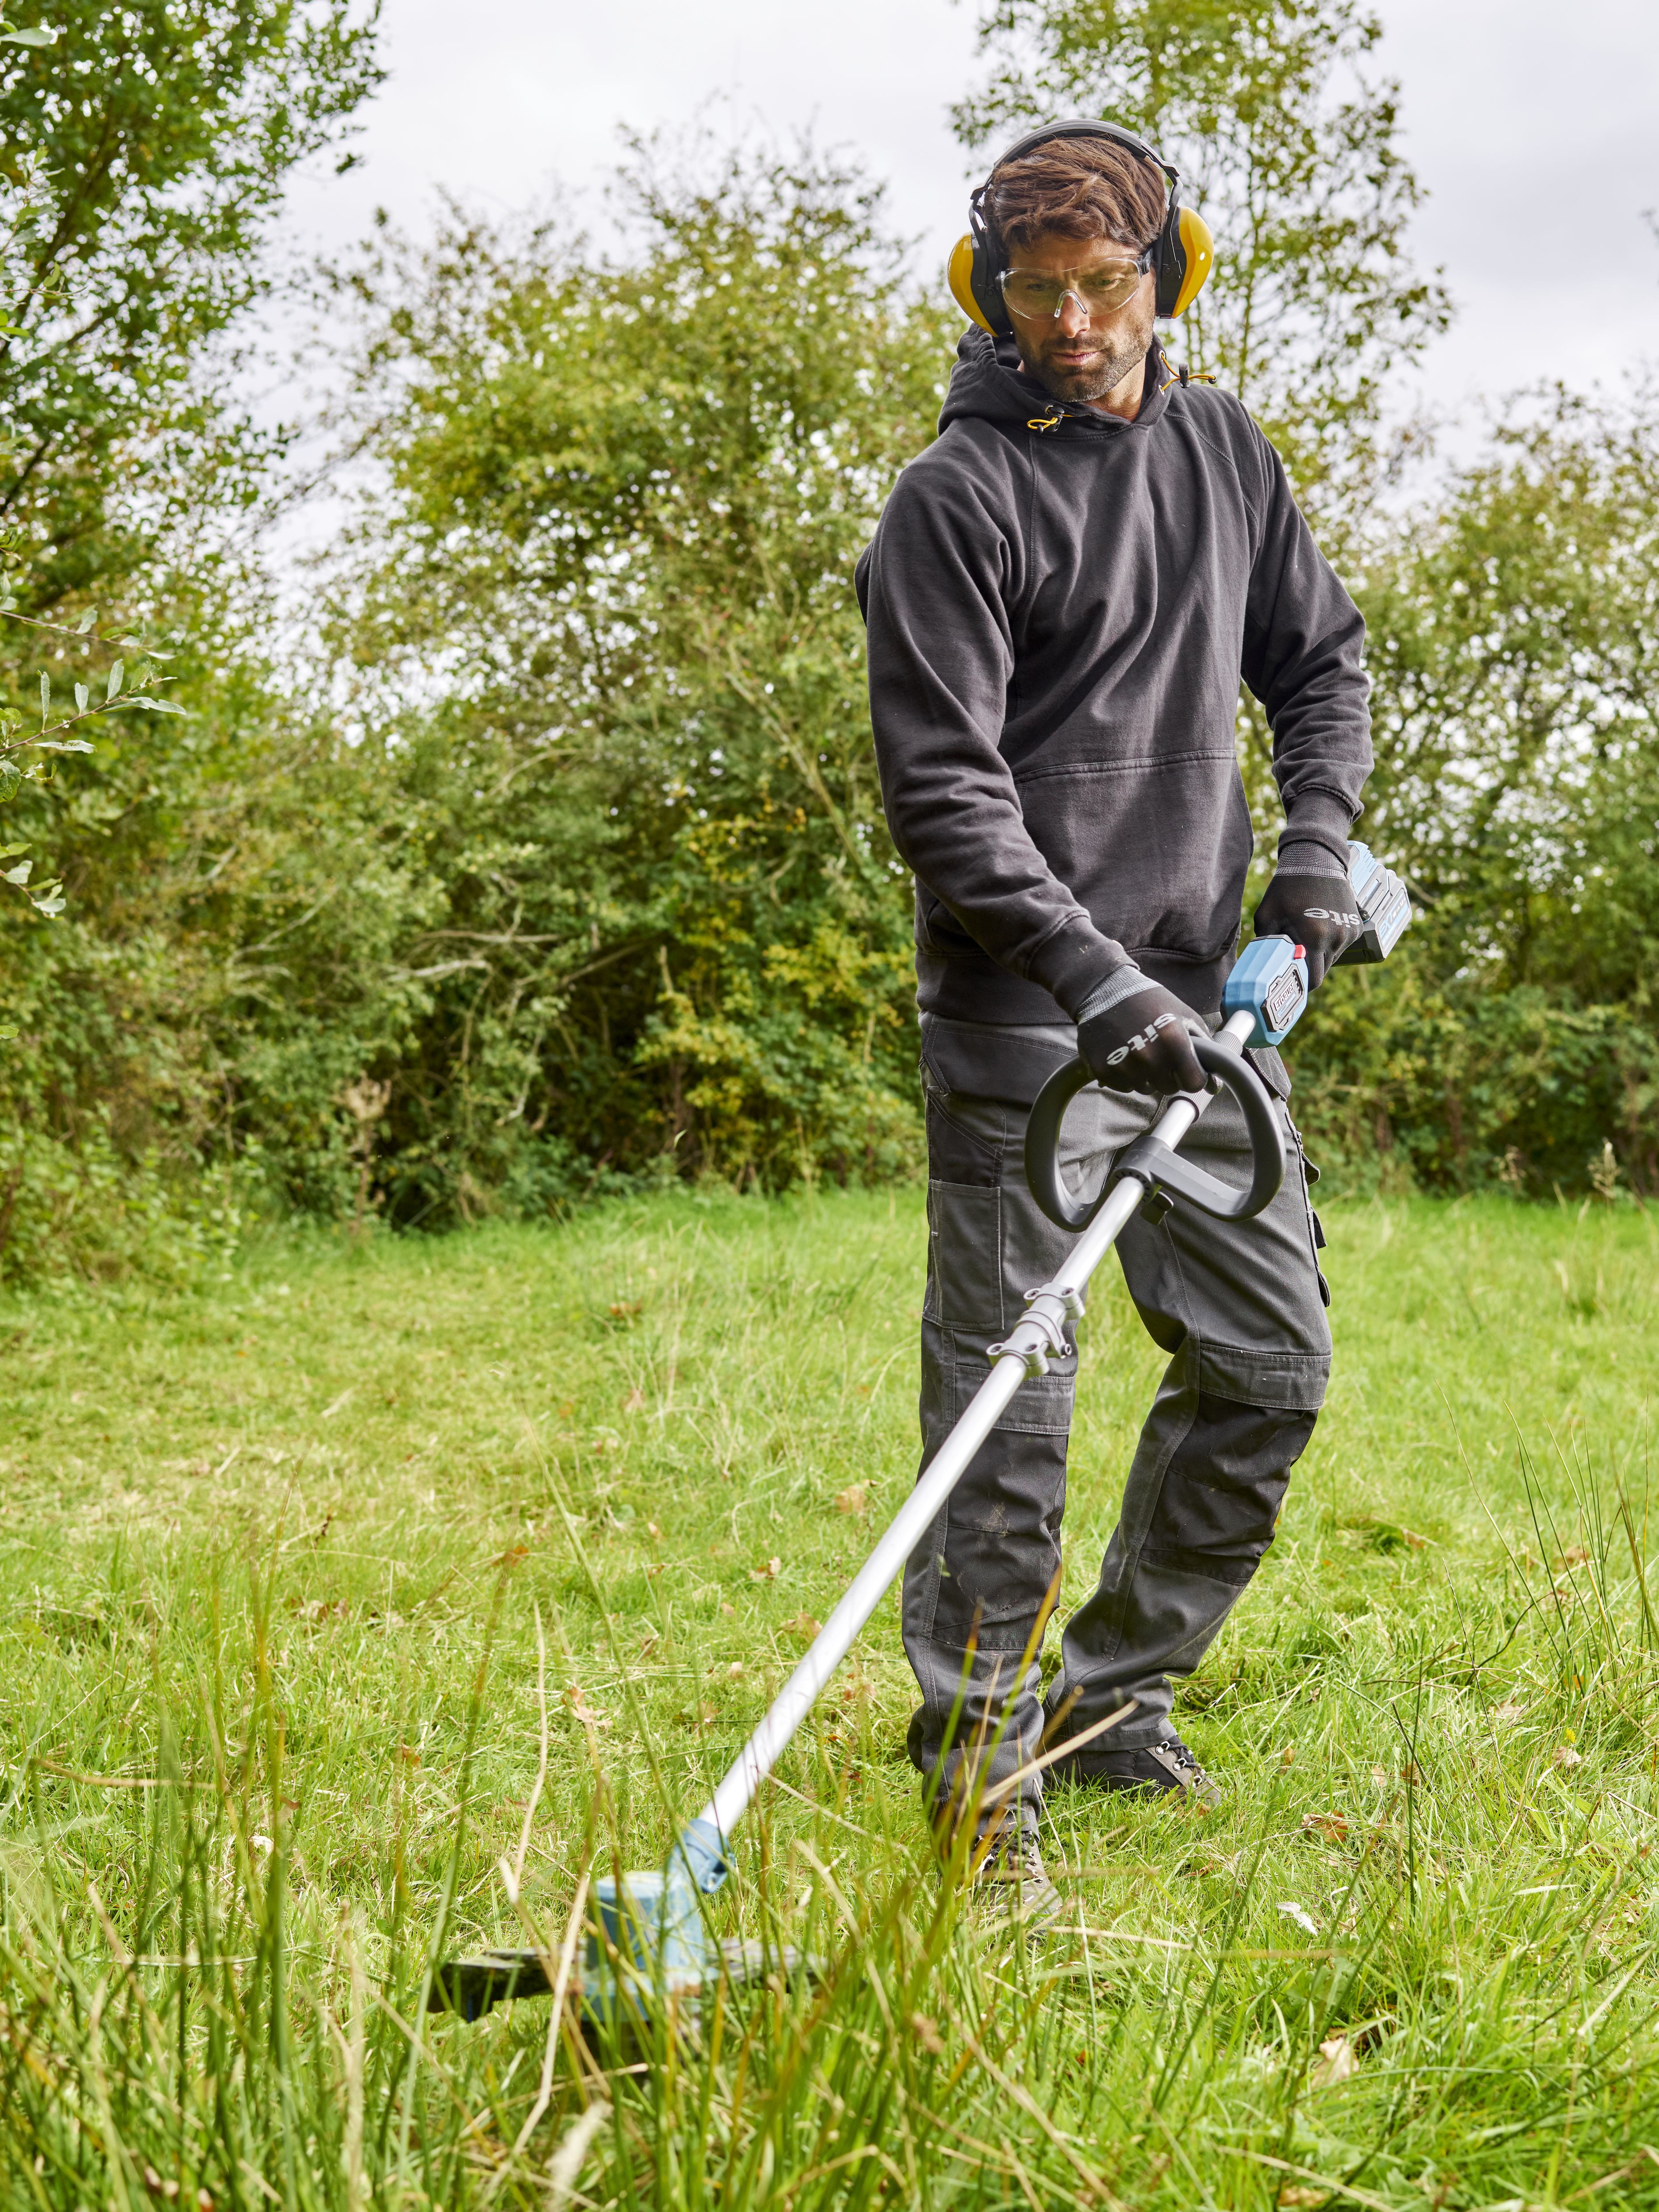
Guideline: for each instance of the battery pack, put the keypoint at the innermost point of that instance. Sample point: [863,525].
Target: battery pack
[1384,904]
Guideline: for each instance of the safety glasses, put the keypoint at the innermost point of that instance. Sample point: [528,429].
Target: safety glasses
[1097,289]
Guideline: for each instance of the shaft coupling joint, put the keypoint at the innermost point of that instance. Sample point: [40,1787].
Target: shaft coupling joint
[1040,1336]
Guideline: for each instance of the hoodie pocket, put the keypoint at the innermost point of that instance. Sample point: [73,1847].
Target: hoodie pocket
[1156,847]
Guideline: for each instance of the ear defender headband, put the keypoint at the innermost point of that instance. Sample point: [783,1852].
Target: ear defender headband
[1181,256]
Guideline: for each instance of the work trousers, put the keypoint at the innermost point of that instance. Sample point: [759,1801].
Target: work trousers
[1240,1307]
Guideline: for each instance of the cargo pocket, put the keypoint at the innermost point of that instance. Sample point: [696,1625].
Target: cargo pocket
[964,1255]
[1042,1406]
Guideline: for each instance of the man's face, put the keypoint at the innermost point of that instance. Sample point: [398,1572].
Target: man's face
[1082,353]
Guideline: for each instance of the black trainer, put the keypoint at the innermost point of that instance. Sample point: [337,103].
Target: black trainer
[1152,1770]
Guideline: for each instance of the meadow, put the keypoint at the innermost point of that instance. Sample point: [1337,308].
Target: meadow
[362,1604]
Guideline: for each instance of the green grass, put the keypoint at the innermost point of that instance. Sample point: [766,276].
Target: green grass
[272,1568]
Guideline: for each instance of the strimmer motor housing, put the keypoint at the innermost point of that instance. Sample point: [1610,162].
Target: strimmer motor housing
[1271,983]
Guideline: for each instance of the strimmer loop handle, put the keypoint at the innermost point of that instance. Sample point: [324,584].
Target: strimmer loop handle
[1152,1161]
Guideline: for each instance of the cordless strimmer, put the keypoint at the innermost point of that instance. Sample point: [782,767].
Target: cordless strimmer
[650,1947]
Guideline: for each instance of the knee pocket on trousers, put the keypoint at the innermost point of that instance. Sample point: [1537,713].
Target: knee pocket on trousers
[956,1364]
[1226,1480]
[1002,1555]
[1042,1406]
[1247,1375]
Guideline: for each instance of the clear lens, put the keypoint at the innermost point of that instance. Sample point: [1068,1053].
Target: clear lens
[1103,285]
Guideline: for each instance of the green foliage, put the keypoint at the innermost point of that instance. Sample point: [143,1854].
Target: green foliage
[648,908]
[1287,141]
[145,154]
[274,1705]
[153,142]
[1513,665]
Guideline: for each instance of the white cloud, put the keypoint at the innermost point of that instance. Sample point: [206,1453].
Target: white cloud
[1537,134]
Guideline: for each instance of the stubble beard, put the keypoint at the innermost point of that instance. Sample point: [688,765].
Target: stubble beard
[1085,385]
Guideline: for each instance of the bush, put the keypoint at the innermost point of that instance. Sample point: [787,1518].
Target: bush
[1514,659]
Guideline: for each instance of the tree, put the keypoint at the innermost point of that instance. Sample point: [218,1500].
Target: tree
[1514,656]
[1287,141]
[650,914]
[158,136]
[145,150]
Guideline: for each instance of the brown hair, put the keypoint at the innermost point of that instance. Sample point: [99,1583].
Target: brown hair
[1079,188]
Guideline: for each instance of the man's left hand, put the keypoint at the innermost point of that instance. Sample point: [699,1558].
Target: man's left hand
[1318,912]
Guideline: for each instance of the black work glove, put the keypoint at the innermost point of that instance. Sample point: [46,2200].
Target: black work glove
[1318,912]
[1142,1044]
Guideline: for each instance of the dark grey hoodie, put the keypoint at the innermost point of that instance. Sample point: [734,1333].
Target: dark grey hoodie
[1061,605]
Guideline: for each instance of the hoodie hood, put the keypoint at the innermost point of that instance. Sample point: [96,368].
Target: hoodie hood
[988,382]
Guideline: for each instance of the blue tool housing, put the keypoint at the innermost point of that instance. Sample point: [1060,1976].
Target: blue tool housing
[1269,982]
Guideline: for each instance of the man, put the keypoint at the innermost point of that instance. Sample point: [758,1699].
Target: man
[1063,596]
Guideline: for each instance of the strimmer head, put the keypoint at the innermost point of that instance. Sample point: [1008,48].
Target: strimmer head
[648,1956]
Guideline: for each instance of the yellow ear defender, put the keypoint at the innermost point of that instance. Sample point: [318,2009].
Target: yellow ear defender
[959,270]
[1192,257]
[1183,254]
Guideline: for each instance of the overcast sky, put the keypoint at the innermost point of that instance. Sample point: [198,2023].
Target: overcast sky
[1534,127]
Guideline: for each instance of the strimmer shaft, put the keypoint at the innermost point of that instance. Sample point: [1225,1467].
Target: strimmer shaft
[1026,1352]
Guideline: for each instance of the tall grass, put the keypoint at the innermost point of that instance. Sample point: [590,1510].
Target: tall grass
[367,1612]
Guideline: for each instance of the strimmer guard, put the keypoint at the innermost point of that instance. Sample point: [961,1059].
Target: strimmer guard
[648,1953]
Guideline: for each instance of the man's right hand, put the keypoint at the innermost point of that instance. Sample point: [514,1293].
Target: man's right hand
[1142,1044]
[1315,909]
